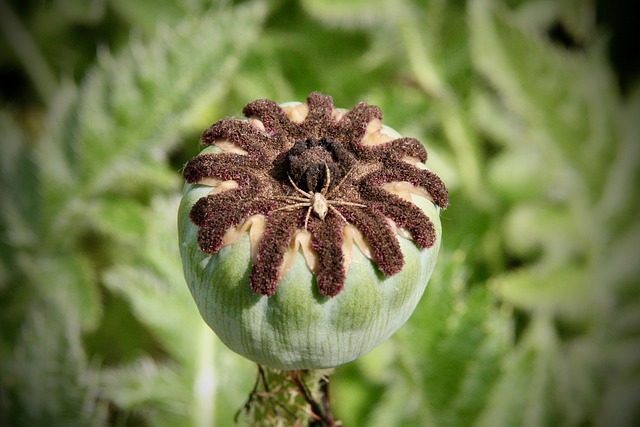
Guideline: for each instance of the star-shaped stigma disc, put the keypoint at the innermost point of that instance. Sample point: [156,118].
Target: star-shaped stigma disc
[314,174]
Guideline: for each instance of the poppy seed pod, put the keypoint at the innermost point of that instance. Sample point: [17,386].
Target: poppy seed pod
[308,233]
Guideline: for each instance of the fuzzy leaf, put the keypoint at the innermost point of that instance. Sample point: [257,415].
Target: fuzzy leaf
[526,394]
[133,106]
[359,13]
[47,378]
[202,381]
[19,199]
[154,286]
[561,290]
[31,264]
[459,367]
[154,392]
[566,99]
[532,228]
[147,14]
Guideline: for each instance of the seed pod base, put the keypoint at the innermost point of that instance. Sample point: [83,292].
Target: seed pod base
[297,327]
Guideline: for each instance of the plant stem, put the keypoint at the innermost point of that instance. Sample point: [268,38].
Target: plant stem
[296,397]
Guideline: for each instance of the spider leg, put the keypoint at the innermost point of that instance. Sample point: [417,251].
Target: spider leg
[291,198]
[339,184]
[306,219]
[292,207]
[343,203]
[337,212]
[298,188]
[327,181]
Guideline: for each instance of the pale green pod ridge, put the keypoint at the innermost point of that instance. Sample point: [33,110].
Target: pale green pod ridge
[297,328]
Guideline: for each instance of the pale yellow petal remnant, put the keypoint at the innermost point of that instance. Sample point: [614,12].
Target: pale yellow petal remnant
[230,147]
[296,111]
[405,189]
[301,242]
[375,133]
[218,185]
[353,235]
[337,114]
[255,225]
[257,123]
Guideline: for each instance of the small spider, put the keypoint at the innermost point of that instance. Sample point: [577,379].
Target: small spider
[319,203]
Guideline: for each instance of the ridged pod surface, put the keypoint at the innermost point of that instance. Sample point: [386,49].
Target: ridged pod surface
[294,320]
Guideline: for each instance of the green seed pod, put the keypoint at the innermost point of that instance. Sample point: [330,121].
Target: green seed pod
[308,233]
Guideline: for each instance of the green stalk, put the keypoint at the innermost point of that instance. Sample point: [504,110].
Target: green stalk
[285,398]
[204,384]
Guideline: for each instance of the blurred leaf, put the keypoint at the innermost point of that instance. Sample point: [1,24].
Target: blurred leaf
[132,108]
[621,266]
[550,232]
[82,10]
[561,290]
[151,391]
[147,15]
[19,214]
[19,229]
[559,120]
[425,52]
[566,100]
[121,219]
[158,298]
[48,379]
[460,362]
[619,203]
[201,382]
[526,393]
[354,13]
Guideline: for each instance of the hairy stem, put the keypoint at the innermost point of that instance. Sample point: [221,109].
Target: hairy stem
[298,397]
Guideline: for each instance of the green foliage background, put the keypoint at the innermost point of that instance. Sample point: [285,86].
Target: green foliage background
[532,317]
